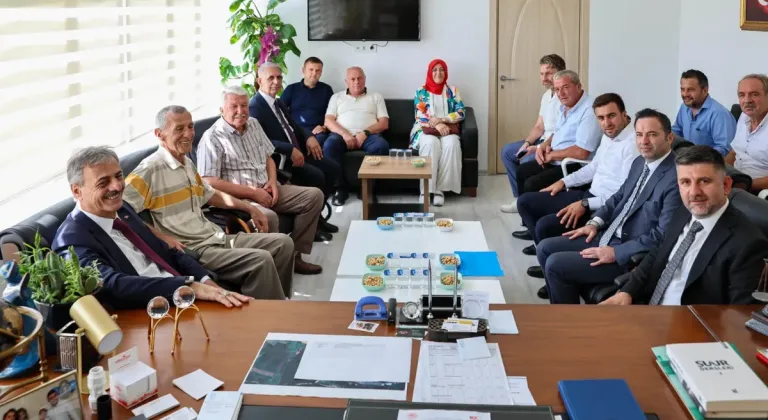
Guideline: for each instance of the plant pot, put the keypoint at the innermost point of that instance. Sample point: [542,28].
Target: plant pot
[56,315]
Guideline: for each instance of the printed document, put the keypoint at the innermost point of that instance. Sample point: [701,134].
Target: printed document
[357,359]
[441,415]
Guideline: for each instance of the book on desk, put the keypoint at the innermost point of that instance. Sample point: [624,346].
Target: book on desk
[599,399]
[713,381]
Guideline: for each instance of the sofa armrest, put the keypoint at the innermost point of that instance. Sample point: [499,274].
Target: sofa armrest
[740,179]
[621,280]
[469,134]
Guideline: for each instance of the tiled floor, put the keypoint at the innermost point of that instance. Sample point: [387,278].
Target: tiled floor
[498,227]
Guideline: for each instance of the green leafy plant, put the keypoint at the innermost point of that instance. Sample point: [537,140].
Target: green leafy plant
[54,279]
[263,38]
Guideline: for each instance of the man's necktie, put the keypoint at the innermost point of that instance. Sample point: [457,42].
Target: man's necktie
[142,246]
[618,221]
[286,126]
[674,263]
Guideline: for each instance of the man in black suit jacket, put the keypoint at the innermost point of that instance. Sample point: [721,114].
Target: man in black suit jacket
[291,139]
[711,253]
[135,265]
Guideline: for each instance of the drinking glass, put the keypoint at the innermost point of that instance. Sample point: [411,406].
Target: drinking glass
[408,153]
[408,220]
[401,154]
[418,220]
[392,153]
[429,220]
[399,219]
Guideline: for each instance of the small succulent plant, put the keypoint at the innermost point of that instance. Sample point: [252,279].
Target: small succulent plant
[54,279]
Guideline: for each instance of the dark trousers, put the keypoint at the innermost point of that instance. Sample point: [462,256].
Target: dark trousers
[334,148]
[566,271]
[322,174]
[539,212]
[533,177]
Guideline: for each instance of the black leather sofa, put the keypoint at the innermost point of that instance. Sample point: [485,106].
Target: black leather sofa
[401,118]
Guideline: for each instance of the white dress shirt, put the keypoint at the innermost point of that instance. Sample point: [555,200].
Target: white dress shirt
[549,110]
[609,169]
[751,147]
[271,102]
[143,265]
[674,291]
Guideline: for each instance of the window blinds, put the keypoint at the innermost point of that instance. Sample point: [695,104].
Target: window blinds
[75,73]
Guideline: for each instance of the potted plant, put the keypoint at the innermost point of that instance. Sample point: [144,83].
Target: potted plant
[263,38]
[56,282]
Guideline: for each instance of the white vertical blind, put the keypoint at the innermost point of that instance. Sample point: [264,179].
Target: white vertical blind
[75,73]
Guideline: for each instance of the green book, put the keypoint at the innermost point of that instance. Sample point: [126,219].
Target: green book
[662,360]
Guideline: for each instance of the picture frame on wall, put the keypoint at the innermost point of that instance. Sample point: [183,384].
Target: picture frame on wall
[56,399]
[754,15]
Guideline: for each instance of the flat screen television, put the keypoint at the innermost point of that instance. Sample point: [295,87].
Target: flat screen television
[363,20]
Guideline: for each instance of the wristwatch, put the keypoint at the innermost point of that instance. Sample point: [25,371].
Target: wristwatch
[367,133]
[593,223]
[189,280]
[585,203]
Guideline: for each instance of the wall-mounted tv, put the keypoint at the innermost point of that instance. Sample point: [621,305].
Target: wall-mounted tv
[363,20]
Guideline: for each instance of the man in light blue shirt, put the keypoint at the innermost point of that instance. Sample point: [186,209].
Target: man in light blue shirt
[577,135]
[701,119]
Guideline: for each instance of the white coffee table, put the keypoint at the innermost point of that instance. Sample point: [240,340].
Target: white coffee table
[350,289]
[365,238]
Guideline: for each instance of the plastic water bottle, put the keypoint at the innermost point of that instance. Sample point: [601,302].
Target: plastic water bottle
[97,383]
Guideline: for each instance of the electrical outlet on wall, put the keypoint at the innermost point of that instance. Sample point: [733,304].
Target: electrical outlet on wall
[366,48]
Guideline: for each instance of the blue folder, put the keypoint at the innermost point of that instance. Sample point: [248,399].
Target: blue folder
[479,264]
[599,399]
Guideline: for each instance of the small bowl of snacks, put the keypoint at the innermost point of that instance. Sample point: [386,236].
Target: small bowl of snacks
[449,261]
[374,282]
[385,223]
[418,162]
[447,280]
[375,262]
[372,160]
[445,225]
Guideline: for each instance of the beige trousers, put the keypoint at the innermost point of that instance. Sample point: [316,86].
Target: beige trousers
[305,203]
[446,162]
[260,263]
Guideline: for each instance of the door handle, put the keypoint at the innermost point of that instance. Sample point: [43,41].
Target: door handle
[506,79]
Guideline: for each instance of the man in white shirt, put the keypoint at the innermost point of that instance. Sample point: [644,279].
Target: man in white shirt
[356,118]
[711,253]
[560,207]
[749,153]
[134,264]
[521,151]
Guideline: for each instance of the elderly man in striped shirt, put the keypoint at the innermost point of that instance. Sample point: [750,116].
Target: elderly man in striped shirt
[167,184]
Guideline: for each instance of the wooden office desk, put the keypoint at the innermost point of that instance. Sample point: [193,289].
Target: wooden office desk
[727,322]
[563,342]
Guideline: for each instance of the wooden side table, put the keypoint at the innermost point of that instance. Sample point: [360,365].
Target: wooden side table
[390,168]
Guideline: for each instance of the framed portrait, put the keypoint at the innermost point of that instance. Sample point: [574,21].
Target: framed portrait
[58,399]
[754,15]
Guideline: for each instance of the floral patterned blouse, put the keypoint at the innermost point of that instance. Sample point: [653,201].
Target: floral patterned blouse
[452,107]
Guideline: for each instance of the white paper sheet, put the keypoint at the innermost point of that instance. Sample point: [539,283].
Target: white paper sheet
[519,392]
[369,360]
[475,304]
[441,415]
[321,391]
[443,377]
[473,348]
[502,322]
[197,384]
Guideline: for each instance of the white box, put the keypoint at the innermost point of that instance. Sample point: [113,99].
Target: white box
[131,381]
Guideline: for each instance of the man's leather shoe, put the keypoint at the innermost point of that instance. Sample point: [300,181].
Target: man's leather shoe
[523,234]
[327,227]
[340,198]
[530,250]
[543,293]
[302,267]
[321,236]
[535,271]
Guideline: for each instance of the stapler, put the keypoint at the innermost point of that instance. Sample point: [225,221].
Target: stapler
[371,308]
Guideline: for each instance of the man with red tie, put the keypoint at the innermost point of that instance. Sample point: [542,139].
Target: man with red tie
[134,264]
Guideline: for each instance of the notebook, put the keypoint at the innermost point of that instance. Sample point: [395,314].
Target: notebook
[599,399]
[479,264]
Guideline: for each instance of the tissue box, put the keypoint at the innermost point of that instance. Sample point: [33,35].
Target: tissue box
[131,381]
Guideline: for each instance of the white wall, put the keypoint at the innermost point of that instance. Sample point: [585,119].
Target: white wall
[454,30]
[711,41]
[633,51]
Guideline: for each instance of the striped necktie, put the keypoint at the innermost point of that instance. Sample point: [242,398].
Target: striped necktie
[674,263]
[619,221]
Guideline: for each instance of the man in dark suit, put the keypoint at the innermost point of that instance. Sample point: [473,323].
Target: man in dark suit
[633,220]
[134,264]
[291,139]
[711,254]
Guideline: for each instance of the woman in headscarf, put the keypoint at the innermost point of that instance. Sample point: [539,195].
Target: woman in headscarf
[439,111]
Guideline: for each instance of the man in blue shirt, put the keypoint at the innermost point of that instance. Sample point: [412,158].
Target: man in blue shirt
[701,119]
[308,99]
